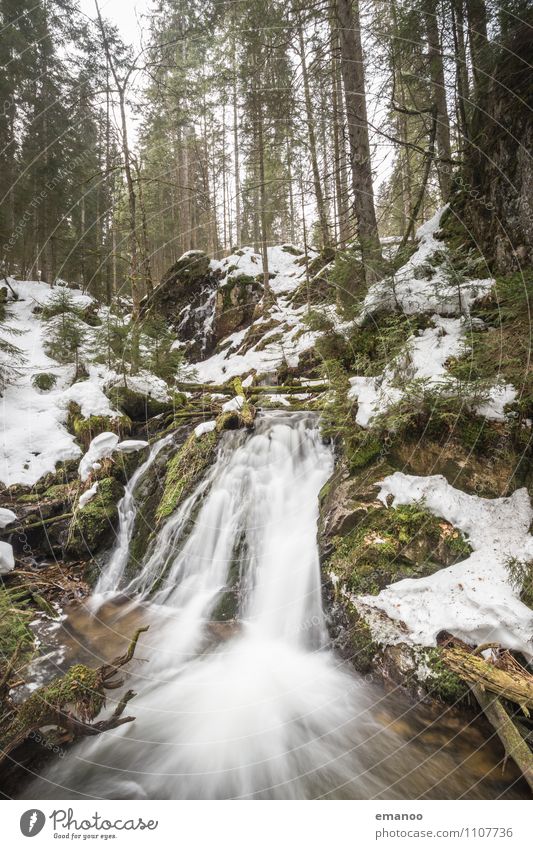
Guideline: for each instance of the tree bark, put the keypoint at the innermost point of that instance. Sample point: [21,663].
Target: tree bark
[319,194]
[438,85]
[353,74]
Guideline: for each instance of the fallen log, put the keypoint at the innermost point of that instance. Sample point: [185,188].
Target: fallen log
[224,389]
[514,744]
[490,682]
[514,685]
[68,705]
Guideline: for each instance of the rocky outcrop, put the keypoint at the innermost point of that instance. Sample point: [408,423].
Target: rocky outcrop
[235,305]
[185,299]
[364,547]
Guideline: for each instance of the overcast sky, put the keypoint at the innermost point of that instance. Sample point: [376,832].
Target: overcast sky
[126,14]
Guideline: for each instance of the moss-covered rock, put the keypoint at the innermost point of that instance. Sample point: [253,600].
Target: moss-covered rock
[388,545]
[181,296]
[184,471]
[138,406]
[85,429]
[92,527]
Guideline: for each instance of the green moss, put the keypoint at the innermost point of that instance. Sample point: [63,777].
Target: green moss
[137,406]
[440,682]
[391,544]
[44,381]
[13,627]
[365,453]
[363,649]
[81,688]
[236,290]
[85,429]
[92,527]
[184,470]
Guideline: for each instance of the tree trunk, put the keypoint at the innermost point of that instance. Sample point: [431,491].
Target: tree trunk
[263,200]
[319,195]
[444,148]
[461,66]
[361,165]
[477,33]
[236,152]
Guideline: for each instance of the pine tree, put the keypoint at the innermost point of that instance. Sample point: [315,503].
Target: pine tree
[65,332]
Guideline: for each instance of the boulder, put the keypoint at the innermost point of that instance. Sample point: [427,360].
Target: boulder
[235,305]
[184,298]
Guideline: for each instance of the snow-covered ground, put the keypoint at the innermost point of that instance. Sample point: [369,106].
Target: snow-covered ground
[474,599]
[419,287]
[424,359]
[425,354]
[33,435]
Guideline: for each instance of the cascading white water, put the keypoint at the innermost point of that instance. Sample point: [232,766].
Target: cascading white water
[269,712]
[111,576]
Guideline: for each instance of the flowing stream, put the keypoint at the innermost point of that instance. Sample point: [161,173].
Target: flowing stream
[256,706]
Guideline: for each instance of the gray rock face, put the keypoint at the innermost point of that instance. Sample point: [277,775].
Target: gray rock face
[185,299]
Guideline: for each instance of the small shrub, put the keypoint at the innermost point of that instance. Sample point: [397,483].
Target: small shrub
[521,578]
[44,381]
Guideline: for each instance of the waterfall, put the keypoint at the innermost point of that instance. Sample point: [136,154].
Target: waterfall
[266,713]
[112,574]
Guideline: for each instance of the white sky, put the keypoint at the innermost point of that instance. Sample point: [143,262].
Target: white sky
[126,14]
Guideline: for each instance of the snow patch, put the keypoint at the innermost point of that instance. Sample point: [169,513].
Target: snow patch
[236,403]
[417,287]
[130,446]
[89,494]
[474,599]
[7,558]
[102,446]
[204,427]
[7,517]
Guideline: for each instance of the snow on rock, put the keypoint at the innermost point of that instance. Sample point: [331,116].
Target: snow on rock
[417,287]
[204,427]
[7,517]
[7,558]
[236,403]
[88,394]
[248,381]
[474,599]
[102,446]
[265,356]
[286,267]
[130,446]
[88,495]
[144,383]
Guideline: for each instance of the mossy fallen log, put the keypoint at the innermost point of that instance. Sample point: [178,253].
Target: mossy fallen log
[513,685]
[491,682]
[229,389]
[68,706]
[20,529]
[514,744]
